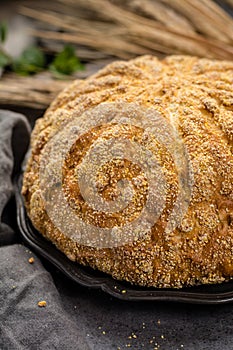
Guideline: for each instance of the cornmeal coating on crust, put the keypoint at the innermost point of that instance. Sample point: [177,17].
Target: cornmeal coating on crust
[196,95]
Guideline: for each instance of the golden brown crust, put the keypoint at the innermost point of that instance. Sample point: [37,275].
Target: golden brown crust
[197,96]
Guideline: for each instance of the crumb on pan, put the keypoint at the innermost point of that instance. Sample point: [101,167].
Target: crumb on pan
[42,303]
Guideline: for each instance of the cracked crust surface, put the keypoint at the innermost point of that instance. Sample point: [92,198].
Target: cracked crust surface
[198,95]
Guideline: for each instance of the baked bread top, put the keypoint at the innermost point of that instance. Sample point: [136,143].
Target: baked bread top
[131,171]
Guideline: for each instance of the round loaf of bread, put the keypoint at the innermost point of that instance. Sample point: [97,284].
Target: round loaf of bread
[131,171]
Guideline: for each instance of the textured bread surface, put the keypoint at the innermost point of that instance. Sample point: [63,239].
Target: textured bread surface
[194,94]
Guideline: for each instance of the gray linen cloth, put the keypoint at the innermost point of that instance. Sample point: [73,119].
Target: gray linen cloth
[14,140]
[24,325]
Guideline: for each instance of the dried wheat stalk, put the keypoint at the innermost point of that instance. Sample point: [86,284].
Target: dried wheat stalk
[122,29]
[127,34]
[40,90]
[28,91]
[230,2]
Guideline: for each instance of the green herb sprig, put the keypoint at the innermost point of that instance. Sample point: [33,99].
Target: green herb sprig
[33,60]
[66,62]
[5,59]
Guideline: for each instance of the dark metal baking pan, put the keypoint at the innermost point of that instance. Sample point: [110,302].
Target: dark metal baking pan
[205,294]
